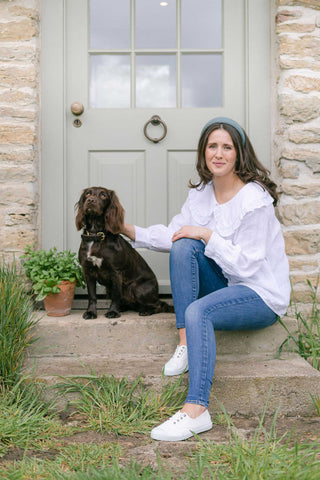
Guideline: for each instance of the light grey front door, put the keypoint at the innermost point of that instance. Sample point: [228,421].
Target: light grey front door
[127,61]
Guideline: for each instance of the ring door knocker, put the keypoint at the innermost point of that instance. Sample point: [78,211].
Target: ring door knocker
[155,120]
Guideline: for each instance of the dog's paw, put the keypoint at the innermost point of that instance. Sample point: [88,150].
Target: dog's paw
[112,314]
[89,315]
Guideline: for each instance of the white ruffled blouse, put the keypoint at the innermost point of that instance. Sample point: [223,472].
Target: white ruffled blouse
[246,242]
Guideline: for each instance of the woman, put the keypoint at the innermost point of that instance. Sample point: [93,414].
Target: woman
[228,266]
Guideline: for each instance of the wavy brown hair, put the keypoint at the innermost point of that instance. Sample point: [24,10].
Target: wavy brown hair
[247,167]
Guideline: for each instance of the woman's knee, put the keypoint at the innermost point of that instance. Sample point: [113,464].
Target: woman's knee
[192,315]
[184,247]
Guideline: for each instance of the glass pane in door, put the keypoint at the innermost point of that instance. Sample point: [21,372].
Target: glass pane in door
[201,80]
[109,24]
[109,81]
[201,24]
[155,81]
[155,25]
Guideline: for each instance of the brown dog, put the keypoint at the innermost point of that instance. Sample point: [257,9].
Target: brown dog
[107,258]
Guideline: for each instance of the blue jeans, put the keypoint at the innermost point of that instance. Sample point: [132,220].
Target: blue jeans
[204,303]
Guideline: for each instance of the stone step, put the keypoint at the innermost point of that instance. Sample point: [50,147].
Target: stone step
[246,369]
[131,333]
[242,384]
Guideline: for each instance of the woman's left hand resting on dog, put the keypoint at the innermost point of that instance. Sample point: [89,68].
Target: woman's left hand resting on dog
[187,231]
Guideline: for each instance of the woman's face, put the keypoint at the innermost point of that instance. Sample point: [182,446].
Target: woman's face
[220,153]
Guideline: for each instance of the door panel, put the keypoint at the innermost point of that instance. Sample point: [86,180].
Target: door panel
[122,172]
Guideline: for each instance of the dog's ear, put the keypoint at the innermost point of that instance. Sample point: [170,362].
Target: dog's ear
[80,214]
[114,217]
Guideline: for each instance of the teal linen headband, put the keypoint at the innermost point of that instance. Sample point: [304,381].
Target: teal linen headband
[227,121]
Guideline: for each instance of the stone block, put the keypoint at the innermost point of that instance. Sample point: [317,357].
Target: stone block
[299,108]
[296,27]
[18,134]
[17,194]
[285,15]
[289,169]
[15,96]
[310,157]
[302,83]
[309,134]
[307,265]
[18,30]
[302,241]
[15,239]
[302,3]
[11,153]
[18,52]
[18,112]
[17,215]
[301,189]
[23,11]
[10,172]
[303,213]
[18,76]
[287,62]
[300,46]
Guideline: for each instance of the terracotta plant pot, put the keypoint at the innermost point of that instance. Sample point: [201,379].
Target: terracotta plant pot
[59,304]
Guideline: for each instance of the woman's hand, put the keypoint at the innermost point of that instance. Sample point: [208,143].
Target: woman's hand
[189,231]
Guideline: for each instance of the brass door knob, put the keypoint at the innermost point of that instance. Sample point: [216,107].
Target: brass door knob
[77,108]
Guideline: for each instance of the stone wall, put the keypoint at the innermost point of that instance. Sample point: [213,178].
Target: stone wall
[19,125]
[297,137]
[296,151]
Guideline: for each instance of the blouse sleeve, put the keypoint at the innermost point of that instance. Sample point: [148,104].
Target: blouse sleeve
[242,257]
[159,237]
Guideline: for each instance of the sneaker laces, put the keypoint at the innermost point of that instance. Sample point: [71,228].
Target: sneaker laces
[179,351]
[177,417]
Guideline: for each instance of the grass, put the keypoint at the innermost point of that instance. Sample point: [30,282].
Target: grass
[16,321]
[264,457]
[306,339]
[123,407]
[259,460]
[26,420]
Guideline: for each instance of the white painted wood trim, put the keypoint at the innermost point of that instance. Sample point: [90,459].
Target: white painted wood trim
[52,89]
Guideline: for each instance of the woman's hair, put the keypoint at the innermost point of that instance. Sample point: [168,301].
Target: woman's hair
[247,166]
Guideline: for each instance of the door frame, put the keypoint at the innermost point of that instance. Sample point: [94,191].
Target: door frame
[53,107]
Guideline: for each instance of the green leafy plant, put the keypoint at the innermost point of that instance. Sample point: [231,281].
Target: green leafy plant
[47,269]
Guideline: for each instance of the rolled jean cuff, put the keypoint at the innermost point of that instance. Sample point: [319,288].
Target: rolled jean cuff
[204,403]
[182,325]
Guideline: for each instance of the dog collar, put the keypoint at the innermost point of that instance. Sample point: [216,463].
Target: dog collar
[93,237]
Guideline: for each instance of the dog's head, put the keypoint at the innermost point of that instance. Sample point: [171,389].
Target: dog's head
[100,202]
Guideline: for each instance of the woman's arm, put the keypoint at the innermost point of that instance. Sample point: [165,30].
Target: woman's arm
[129,231]
[242,257]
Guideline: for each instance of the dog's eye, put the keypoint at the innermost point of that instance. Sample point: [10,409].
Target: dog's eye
[103,195]
[88,193]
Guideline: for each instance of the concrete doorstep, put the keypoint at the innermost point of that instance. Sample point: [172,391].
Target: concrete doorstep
[247,370]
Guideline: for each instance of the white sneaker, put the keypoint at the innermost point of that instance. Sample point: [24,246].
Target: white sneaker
[178,363]
[180,427]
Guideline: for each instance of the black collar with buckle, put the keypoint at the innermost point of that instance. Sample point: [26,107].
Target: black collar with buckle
[93,237]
